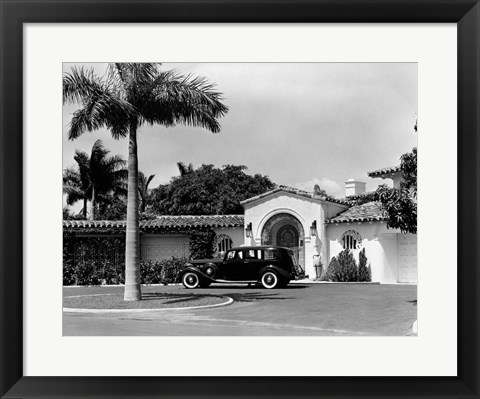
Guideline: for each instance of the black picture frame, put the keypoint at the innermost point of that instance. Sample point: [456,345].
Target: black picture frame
[14,13]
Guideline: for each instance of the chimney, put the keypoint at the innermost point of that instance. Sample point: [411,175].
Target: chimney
[354,187]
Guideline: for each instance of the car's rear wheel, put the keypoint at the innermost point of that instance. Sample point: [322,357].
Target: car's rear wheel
[269,280]
[191,280]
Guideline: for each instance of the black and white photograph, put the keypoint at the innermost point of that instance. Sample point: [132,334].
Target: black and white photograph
[240,199]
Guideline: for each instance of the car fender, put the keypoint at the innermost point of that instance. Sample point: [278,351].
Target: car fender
[191,268]
[281,272]
[215,268]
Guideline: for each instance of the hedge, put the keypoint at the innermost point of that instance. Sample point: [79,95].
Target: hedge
[101,260]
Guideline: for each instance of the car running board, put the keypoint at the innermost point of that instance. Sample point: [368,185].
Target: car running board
[236,281]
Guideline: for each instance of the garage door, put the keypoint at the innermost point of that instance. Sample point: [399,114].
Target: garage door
[164,247]
[407,258]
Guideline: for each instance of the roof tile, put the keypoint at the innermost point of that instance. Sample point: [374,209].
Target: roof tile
[384,171]
[161,222]
[371,211]
[296,191]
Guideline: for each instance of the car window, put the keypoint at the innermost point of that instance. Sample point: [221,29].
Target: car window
[230,255]
[253,254]
[270,254]
[239,255]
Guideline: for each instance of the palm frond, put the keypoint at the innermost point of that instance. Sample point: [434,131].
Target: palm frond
[80,85]
[188,100]
[102,106]
[74,193]
[149,180]
[102,111]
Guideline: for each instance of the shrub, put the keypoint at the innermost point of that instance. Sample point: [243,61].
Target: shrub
[202,244]
[68,270]
[171,270]
[88,273]
[343,268]
[332,270]
[166,271]
[364,272]
[150,271]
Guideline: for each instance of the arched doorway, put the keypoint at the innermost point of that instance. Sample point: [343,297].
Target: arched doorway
[285,230]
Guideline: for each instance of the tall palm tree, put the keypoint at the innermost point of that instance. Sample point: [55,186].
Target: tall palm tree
[128,96]
[98,175]
[143,183]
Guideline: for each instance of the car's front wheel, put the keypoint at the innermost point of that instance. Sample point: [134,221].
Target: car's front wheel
[269,280]
[191,280]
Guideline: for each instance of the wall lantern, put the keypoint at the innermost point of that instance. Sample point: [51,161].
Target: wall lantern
[248,230]
[313,228]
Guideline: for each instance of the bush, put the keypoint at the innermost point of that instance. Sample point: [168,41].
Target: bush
[68,270]
[202,244]
[364,272]
[171,270]
[344,268]
[166,271]
[93,260]
[150,271]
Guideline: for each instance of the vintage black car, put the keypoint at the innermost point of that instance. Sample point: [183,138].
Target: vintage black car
[271,266]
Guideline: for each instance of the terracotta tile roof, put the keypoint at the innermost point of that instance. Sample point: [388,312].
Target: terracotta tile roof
[371,211]
[160,222]
[384,171]
[296,191]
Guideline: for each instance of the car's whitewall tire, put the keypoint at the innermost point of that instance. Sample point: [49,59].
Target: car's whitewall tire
[191,280]
[269,280]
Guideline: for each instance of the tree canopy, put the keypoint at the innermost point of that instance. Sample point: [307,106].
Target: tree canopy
[95,178]
[208,190]
[400,203]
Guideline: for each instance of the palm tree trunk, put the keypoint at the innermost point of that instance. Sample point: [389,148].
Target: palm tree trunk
[132,240]
[85,207]
[92,204]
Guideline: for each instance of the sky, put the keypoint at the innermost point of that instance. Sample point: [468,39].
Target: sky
[299,123]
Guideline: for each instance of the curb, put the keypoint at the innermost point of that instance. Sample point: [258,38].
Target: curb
[79,310]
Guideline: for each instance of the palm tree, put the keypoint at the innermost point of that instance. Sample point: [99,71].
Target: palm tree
[128,96]
[97,176]
[184,169]
[143,191]
[75,188]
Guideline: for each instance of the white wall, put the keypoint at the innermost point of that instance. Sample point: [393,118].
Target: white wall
[164,246]
[380,246]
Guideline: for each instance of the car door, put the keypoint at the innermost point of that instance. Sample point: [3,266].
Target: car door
[253,264]
[233,265]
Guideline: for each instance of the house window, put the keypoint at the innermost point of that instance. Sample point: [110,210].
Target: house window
[351,240]
[224,243]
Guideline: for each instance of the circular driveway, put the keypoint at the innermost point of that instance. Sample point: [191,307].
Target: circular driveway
[299,309]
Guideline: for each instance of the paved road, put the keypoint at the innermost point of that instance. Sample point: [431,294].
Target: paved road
[299,309]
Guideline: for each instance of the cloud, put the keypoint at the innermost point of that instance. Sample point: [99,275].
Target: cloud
[330,186]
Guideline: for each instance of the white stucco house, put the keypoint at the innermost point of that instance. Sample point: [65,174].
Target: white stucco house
[322,226]
[312,226]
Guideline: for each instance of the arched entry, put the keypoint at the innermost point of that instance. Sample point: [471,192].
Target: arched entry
[286,231]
